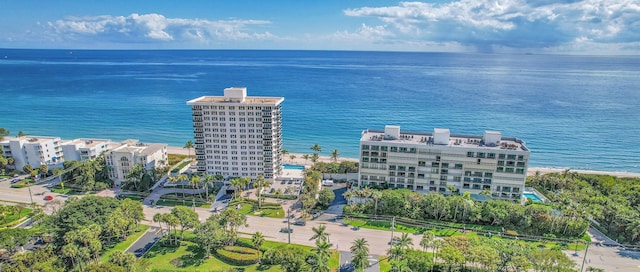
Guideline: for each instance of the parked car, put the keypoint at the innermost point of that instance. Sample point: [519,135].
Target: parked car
[394,241]
[286,230]
[300,223]
[15,181]
[47,198]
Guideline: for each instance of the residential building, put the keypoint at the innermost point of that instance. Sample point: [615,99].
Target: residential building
[238,135]
[84,149]
[439,161]
[33,150]
[124,157]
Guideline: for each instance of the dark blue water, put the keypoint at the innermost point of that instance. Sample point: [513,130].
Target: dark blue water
[573,111]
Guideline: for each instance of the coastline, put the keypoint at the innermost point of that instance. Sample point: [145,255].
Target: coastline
[530,172]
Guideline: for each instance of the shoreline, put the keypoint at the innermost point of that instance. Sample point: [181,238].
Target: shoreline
[531,171]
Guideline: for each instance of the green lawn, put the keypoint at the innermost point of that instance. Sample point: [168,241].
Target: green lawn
[180,166]
[124,244]
[12,219]
[250,207]
[23,183]
[188,200]
[188,257]
[135,197]
[381,225]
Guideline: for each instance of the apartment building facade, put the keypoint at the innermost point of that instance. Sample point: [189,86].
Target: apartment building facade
[124,157]
[84,149]
[33,150]
[238,135]
[439,161]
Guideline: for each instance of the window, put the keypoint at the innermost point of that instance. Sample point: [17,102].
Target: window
[470,154]
[421,163]
[491,155]
[501,156]
[458,166]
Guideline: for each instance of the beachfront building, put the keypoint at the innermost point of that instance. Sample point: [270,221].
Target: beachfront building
[445,163]
[84,149]
[130,152]
[33,150]
[238,135]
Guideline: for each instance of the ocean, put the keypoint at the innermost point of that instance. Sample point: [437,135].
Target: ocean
[573,111]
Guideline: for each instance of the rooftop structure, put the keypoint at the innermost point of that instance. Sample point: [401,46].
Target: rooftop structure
[438,161]
[238,135]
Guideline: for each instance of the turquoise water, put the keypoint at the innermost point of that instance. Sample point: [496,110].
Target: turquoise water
[293,167]
[579,112]
[533,197]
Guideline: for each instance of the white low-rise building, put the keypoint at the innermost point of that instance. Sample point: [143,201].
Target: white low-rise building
[84,149]
[439,161]
[124,157]
[33,150]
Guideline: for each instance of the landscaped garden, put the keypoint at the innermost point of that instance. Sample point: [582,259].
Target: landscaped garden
[12,215]
[250,207]
[189,257]
[23,183]
[172,200]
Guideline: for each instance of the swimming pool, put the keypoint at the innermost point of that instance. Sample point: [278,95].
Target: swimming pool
[293,167]
[533,197]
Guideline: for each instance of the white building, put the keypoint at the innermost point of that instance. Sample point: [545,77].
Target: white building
[33,150]
[121,159]
[432,161]
[84,149]
[238,135]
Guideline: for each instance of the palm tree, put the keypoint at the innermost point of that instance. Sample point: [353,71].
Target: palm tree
[360,253]
[236,182]
[376,195]
[195,182]
[437,244]
[189,145]
[405,241]
[259,184]
[316,149]
[334,155]
[304,156]
[427,239]
[322,252]
[257,239]
[292,157]
[284,152]
[319,233]
[159,218]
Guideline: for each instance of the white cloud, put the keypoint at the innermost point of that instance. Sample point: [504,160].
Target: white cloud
[511,23]
[141,28]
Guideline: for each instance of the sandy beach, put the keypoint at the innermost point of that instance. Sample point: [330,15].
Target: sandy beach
[299,160]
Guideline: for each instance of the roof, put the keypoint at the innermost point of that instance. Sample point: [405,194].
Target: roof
[455,140]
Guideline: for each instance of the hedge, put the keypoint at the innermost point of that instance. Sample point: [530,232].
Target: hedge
[236,255]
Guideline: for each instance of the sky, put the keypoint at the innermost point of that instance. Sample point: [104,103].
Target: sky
[589,27]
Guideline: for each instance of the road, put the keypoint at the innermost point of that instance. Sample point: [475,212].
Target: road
[608,258]
[145,242]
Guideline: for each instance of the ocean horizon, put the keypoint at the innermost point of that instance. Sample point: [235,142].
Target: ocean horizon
[578,112]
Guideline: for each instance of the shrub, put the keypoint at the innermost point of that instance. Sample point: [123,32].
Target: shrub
[273,256]
[238,255]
